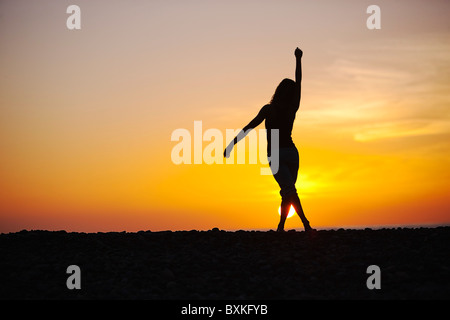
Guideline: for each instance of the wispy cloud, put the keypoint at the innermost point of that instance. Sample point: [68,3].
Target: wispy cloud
[404,128]
[400,89]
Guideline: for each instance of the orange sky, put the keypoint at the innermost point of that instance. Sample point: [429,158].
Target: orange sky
[86,116]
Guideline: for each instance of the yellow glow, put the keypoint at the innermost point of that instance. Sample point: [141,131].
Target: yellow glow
[291,211]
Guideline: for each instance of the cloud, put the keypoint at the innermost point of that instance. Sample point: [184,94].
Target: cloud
[391,89]
[404,128]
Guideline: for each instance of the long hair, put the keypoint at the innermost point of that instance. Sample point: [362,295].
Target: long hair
[284,94]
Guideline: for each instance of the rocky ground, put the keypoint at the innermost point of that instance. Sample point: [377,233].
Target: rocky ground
[332,264]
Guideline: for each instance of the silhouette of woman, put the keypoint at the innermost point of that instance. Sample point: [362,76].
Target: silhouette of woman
[280,114]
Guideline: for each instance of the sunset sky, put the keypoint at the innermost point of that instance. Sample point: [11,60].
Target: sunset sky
[86,116]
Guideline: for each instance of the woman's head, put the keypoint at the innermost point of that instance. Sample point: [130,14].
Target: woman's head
[284,94]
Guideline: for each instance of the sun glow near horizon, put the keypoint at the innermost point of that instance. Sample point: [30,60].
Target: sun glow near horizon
[291,212]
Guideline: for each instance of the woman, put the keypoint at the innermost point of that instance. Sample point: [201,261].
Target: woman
[280,114]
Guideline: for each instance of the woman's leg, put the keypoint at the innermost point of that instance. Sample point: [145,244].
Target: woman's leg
[293,166]
[286,183]
[286,178]
[295,200]
[284,210]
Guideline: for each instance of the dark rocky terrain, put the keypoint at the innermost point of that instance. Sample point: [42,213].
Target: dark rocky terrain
[332,264]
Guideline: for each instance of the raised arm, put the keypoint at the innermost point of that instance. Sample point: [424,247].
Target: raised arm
[251,125]
[298,75]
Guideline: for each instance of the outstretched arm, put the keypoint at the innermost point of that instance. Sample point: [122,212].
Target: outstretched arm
[251,125]
[298,76]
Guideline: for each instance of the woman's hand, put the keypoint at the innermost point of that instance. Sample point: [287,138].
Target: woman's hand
[227,151]
[298,53]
